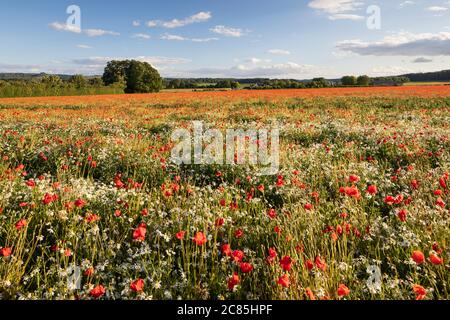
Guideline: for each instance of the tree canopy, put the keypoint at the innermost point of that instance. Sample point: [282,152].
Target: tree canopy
[136,76]
[349,80]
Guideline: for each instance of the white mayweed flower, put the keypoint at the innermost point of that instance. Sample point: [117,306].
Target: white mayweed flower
[157,285]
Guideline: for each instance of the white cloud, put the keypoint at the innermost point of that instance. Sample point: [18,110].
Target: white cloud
[176,23]
[4,67]
[157,60]
[422,60]
[437,9]
[283,70]
[143,36]
[389,71]
[83,46]
[401,44]
[338,9]
[152,23]
[344,16]
[64,27]
[174,37]
[136,23]
[89,32]
[204,39]
[279,52]
[228,32]
[406,3]
[99,32]
[257,60]
[335,6]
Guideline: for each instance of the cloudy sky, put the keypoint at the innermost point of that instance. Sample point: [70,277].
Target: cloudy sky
[233,38]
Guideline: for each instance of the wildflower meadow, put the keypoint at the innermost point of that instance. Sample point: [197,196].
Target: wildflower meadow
[92,207]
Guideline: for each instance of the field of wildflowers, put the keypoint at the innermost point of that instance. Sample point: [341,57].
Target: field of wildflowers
[358,210]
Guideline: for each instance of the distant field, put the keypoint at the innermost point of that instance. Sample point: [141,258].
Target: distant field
[182,96]
[433,83]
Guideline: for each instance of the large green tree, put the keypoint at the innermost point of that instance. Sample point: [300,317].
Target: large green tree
[349,80]
[363,80]
[138,76]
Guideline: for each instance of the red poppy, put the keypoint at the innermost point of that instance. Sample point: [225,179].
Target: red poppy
[440,203]
[200,239]
[97,292]
[137,286]
[402,215]
[280,181]
[277,230]
[286,263]
[284,281]
[418,256]
[435,259]
[219,222]
[144,212]
[31,183]
[389,200]
[350,191]
[310,294]
[419,291]
[372,189]
[354,179]
[233,281]
[320,263]
[49,198]
[309,265]
[308,206]
[343,291]
[238,233]
[80,203]
[442,182]
[21,224]
[436,248]
[272,255]
[89,272]
[5,252]
[222,202]
[226,249]
[398,199]
[92,218]
[140,232]
[238,255]
[180,235]
[246,267]
[272,213]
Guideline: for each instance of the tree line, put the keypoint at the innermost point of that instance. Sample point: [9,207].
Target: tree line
[367,81]
[131,76]
[53,85]
[128,76]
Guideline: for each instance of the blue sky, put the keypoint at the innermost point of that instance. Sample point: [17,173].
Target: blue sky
[217,38]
